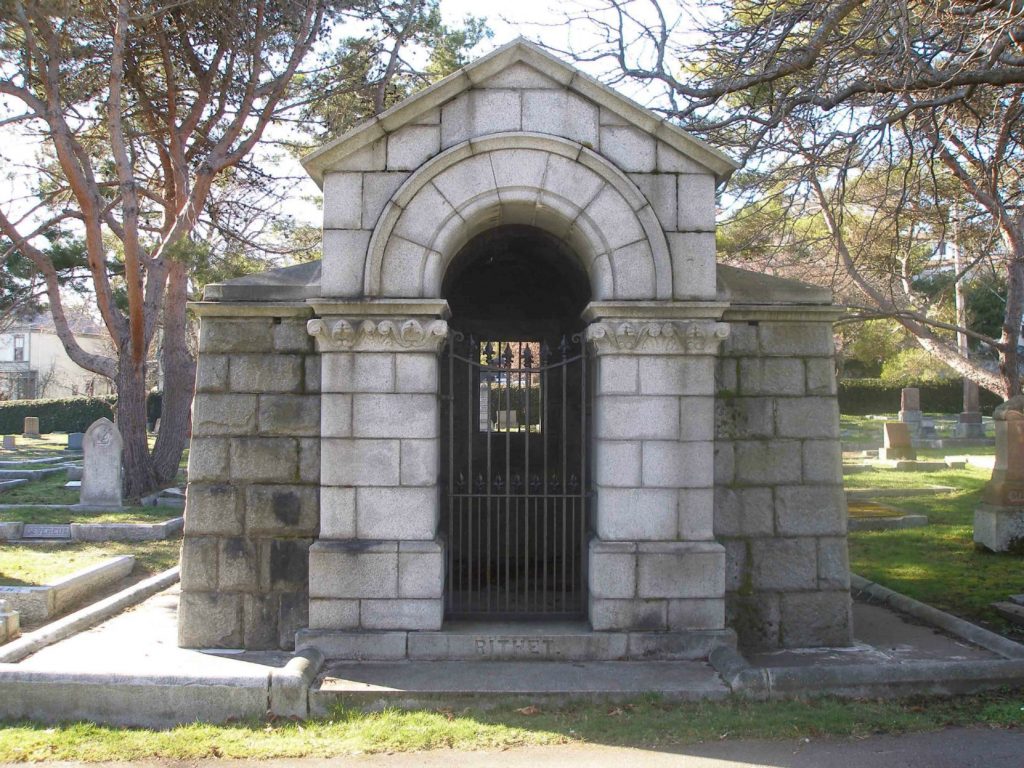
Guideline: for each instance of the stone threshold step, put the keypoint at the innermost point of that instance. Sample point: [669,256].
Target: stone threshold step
[513,641]
[419,683]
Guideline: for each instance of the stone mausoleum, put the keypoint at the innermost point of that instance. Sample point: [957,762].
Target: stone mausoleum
[517,409]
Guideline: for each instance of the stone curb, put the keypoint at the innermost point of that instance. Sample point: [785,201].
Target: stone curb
[86,617]
[127,531]
[965,630]
[289,686]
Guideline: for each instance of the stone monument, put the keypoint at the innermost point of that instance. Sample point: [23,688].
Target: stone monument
[75,441]
[999,519]
[10,442]
[896,442]
[9,623]
[969,423]
[31,428]
[910,409]
[101,475]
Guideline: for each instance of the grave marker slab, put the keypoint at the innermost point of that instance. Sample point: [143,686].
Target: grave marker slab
[31,427]
[896,442]
[999,519]
[101,475]
[910,408]
[10,442]
[75,441]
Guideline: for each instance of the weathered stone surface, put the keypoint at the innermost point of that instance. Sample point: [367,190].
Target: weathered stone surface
[629,148]
[412,145]
[291,336]
[767,462]
[342,195]
[266,373]
[625,514]
[238,565]
[396,513]
[477,113]
[401,614]
[612,570]
[744,417]
[796,339]
[199,564]
[807,417]
[660,191]
[351,571]
[815,618]
[755,618]
[696,614]
[696,514]
[621,417]
[224,335]
[896,443]
[333,614]
[281,510]
[693,570]
[677,375]
[670,464]
[297,415]
[420,462]
[259,621]
[101,475]
[771,376]
[344,254]
[264,459]
[337,513]
[208,459]
[284,564]
[395,416]
[360,462]
[784,564]
[805,510]
[211,373]
[693,264]
[420,573]
[628,614]
[210,620]
[744,512]
[377,190]
[833,564]
[561,113]
[223,414]
[823,462]
[821,376]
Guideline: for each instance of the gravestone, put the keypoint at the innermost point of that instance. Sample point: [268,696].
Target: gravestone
[9,623]
[74,473]
[896,442]
[927,430]
[969,423]
[75,441]
[101,475]
[31,428]
[10,442]
[910,409]
[999,519]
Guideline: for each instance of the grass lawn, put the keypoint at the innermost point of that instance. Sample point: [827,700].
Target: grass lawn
[60,516]
[50,444]
[22,565]
[644,723]
[48,490]
[937,564]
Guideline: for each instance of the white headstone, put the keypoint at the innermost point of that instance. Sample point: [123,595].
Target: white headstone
[101,475]
[10,443]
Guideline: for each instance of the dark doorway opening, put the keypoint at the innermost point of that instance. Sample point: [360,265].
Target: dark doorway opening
[515,419]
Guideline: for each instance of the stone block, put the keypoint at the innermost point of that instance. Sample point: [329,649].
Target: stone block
[708,613]
[833,564]
[677,375]
[671,464]
[281,510]
[617,463]
[208,459]
[634,514]
[520,76]
[333,614]
[479,112]
[737,565]
[421,216]
[771,376]
[264,459]
[344,254]
[401,614]
[696,202]
[395,416]
[266,373]
[411,146]
[809,510]
[519,167]
[633,269]
[337,513]
[815,619]
[396,513]
[237,565]
[742,341]
[693,264]
[697,418]
[755,618]
[420,573]
[622,417]
[223,415]
[199,564]
[660,191]
[745,417]
[335,415]
[211,373]
[420,462]
[284,564]
[670,160]
[342,200]
[823,462]
[311,367]
[561,113]
[372,157]
[231,336]
[259,621]
[681,570]
[210,620]
[297,415]
[725,462]
[631,614]
[212,510]
[378,188]
[618,220]
[617,375]
[416,372]
[570,180]
[806,339]
[355,462]
[821,376]
[998,528]
[291,337]
[293,615]
[807,417]
[784,564]
[630,148]
[612,570]
[727,380]
[767,462]
[696,513]
[744,512]
[309,460]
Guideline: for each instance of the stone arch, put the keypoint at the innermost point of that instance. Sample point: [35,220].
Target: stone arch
[545,181]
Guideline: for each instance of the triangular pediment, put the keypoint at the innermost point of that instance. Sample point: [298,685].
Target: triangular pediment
[523,65]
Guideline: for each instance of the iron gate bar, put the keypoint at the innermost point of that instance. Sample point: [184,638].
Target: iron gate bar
[515,539]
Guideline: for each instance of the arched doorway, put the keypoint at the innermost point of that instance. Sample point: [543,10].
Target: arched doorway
[514,420]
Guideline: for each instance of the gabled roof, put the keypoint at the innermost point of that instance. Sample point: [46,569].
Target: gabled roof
[475,73]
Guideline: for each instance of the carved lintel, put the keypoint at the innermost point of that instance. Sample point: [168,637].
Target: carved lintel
[657,336]
[378,335]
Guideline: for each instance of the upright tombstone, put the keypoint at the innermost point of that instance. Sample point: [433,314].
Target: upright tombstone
[31,428]
[75,441]
[896,442]
[101,476]
[999,519]
[10,442]
[969,423]
[910,409]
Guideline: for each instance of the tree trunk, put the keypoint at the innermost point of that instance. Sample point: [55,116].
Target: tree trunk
[179,380]
[139,477]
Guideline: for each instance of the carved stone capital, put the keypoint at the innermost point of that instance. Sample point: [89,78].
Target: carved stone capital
[657,337]
[378,335]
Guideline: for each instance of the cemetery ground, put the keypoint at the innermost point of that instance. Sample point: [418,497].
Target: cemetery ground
[937,564]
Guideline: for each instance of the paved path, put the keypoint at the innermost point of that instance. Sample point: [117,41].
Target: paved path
[951,748]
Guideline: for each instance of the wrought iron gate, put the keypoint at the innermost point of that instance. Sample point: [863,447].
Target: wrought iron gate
[515,511]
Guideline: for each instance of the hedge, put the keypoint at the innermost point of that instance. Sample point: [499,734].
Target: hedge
[860,397]
[66,414]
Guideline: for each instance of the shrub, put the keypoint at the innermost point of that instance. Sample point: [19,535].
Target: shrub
[66,414]
[860,397]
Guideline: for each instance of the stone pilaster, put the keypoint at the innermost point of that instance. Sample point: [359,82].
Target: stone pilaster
[654,564]
[378,564]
